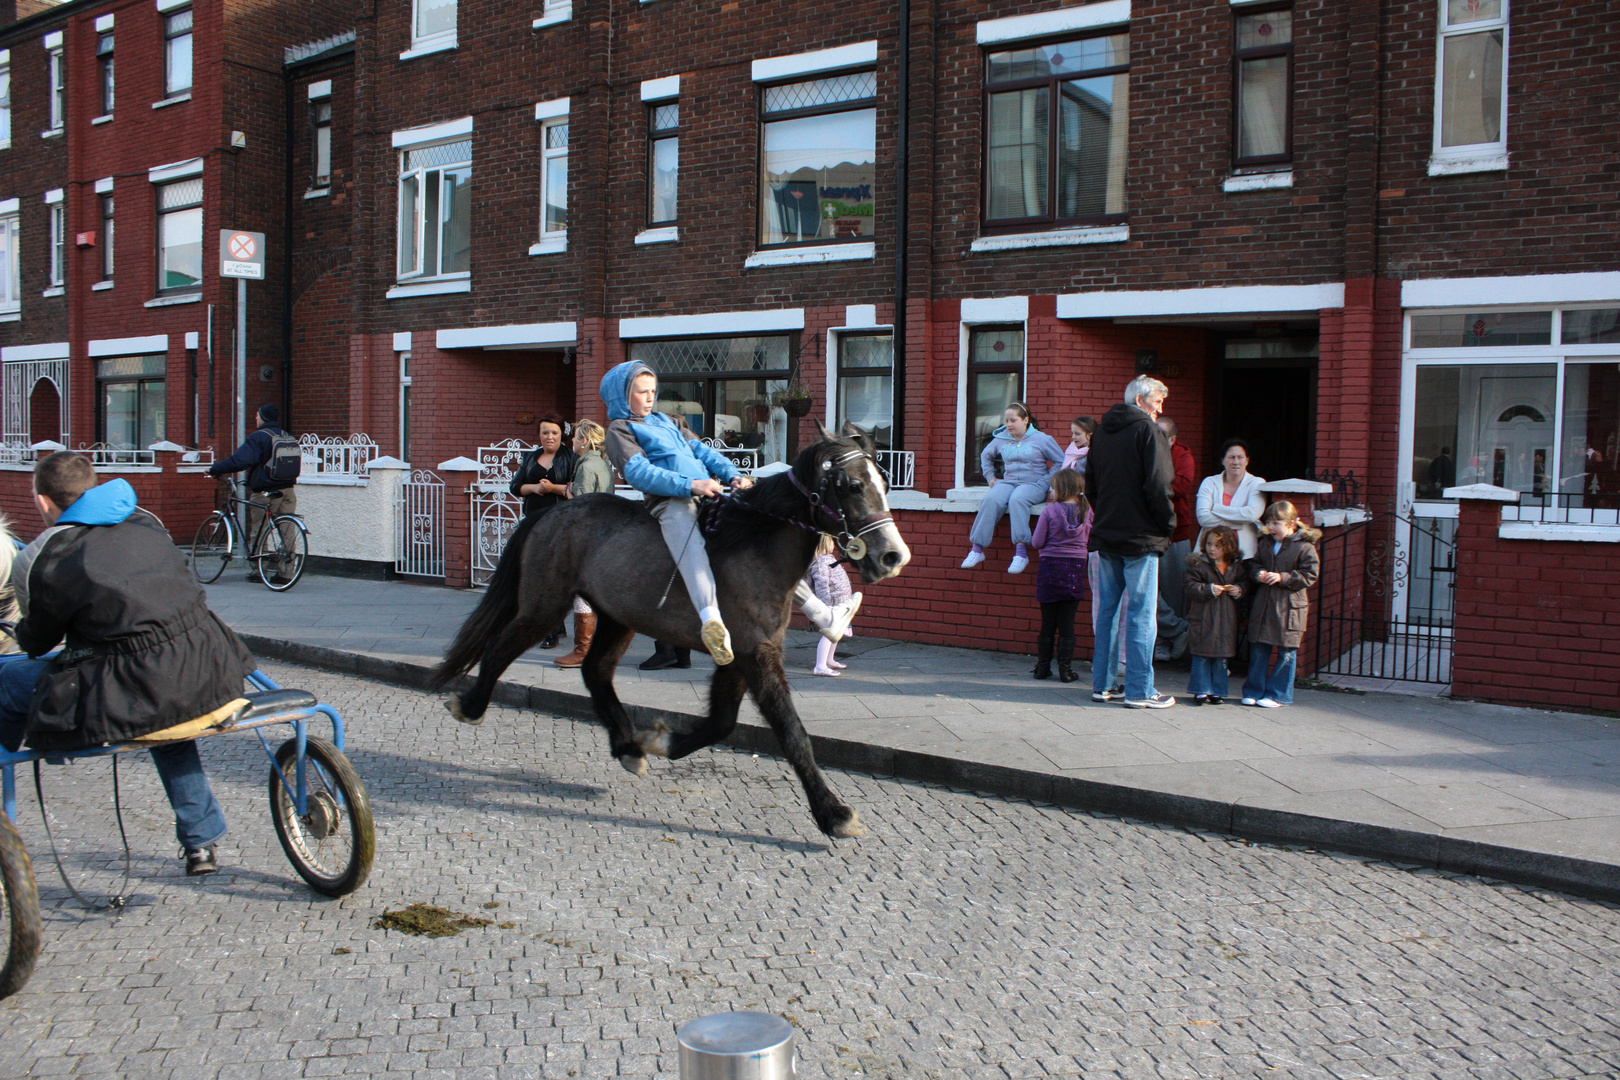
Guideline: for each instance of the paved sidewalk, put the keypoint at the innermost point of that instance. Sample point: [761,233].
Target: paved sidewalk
[1517,793]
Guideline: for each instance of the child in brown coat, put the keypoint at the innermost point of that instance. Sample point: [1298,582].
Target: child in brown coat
[1285,564]
[1215,583]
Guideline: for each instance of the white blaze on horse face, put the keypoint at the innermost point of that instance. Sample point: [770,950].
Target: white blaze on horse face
[887,538]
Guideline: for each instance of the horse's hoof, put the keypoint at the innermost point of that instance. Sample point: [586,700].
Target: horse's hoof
[453,703]
[656,742]
[634,764]
[845,824]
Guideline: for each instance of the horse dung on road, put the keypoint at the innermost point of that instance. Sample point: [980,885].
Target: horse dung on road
[609,550]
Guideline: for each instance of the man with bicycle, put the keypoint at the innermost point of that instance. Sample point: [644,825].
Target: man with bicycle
[273,461]
[140,651]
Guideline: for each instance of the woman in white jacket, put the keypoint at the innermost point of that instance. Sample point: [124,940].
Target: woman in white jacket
[1232,497]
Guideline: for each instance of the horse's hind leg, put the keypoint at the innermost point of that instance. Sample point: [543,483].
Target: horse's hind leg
[607,646]
[726,691]
[770,688]
[520,635]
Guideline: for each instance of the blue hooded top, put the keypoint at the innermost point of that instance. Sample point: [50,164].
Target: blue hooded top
[655,454]
[1030,460]
[104,504]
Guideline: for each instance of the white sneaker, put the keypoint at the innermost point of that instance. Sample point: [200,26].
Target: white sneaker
[1018,564]
[974,558]
[839,617]
[1250,701]
[825,671]
[1157,701]
[1269,703]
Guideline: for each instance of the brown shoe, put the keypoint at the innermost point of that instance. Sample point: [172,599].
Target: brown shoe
[584,630]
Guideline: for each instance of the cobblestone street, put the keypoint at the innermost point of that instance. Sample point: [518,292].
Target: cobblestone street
[965,936]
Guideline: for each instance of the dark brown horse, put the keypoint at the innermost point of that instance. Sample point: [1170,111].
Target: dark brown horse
[609,550]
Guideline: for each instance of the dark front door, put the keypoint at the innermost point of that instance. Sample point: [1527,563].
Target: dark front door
[1271,404]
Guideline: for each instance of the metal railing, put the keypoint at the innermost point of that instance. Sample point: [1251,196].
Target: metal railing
[1570,508]
[1346,491]
[899,466]
[338,456]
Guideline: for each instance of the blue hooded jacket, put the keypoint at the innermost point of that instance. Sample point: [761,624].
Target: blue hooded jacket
[1030,460]
[104,504]
[655,454]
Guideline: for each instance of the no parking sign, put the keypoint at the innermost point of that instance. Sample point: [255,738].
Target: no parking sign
[241,254]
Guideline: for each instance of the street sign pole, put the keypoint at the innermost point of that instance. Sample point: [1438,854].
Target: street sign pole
[241,360]
[241,256]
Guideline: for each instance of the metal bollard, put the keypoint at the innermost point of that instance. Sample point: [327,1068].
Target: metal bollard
[737,1046]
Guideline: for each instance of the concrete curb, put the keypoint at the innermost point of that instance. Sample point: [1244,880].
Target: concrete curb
[1581,877]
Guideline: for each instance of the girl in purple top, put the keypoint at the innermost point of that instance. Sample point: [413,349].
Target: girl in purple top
[1061,536]
[831,585]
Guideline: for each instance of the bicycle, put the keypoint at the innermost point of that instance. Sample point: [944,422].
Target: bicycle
[277,551]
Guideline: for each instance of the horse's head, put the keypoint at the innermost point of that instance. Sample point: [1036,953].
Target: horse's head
[847,493]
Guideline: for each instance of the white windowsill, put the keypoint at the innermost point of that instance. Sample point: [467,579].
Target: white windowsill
[170,301]
[177,99]
[1491,161]
[428,49]
[317,193]
[552,18]
[1259,181]
[107,119]
[11,316]
[664,234]
[1102,234]
[53,133]
[54,290]
[101,286]
[1535,530]
[801,256]
[429,288]
[551,245]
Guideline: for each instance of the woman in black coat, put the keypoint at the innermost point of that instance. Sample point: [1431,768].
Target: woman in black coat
[542,480]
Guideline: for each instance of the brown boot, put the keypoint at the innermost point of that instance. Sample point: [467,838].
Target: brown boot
[584,629]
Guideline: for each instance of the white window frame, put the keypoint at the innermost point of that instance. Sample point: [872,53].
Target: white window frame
[997,311]
[11,281]
[404,404]
[1472,157]
[195,288]
[56,78]
[554,12]
[420,273]
[431,43]
[58,218]
[550,115]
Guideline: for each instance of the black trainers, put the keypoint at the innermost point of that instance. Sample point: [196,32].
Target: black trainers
[200,861]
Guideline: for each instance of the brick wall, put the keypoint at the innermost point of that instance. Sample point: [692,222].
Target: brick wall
[180,499]
[1537,622]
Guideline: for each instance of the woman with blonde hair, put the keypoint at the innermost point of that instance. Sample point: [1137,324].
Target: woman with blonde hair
[592,475]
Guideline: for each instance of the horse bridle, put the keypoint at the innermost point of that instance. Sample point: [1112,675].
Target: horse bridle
[847,535]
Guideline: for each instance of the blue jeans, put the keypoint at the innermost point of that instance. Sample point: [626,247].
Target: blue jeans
[198,819]
[1279,685]
[1017,501]
[1208,676]
[1117,578]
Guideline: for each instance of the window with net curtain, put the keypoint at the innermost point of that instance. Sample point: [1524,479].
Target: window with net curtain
[995,379]
[180,234]
[1056,132]
[1264,59]
[435,210]
[433,21]
[818,160]
[1473,67]
[866,385]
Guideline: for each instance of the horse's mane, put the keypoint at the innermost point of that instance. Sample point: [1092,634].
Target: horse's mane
[773,497]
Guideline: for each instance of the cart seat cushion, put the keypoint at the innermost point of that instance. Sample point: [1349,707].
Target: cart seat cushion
[270,702]
[190,729]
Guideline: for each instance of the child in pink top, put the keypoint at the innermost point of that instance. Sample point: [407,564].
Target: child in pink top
[1061,536]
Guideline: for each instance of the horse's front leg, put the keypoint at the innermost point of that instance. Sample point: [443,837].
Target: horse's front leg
[607,646]
[726,690]
[769,684]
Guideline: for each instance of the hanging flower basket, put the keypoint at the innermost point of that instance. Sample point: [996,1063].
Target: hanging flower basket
[798,407]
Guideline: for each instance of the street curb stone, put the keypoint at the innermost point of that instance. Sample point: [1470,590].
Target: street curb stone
[1582,877]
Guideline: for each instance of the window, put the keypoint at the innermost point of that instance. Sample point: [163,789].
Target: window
[1471,87]
[1263,81]
[404,406]
[56,77]
[180,234]
[321,116]
[58,211]
[130,407]
[5,99]
[433,23]
[177,53]
[866,385]
[818,160]
[435,210]
[663,161]
[723,387]
[106,237]
[995,379]
[1056,132]
[10,276]
[554,180]
[104,58]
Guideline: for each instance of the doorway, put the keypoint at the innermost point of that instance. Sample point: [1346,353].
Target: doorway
[1267,397]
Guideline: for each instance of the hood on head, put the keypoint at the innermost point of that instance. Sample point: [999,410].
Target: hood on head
[1122,416]
[616,387]
[104,504]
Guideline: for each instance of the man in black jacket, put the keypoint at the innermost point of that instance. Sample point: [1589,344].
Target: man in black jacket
[1129,478]
[265,493]
[141,652]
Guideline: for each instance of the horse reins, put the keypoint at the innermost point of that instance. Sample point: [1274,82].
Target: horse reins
[848,537]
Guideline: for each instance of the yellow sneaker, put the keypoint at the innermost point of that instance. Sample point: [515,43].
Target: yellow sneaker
[717,639]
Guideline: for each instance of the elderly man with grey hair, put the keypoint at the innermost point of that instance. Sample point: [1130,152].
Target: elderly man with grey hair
[1129,476]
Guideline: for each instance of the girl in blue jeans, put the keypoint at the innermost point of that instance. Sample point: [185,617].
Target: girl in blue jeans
[1029,457]
[1284,566]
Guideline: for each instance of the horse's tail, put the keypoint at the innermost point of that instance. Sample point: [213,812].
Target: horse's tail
[497,608]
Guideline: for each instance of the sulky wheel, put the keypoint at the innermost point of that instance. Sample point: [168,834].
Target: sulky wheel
[211,550]
[332,845]
[19,910]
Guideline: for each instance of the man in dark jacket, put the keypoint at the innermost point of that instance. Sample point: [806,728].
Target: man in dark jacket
[141,652]
[266,494]
[1129,478]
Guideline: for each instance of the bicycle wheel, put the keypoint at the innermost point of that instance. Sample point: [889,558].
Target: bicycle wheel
[20,910]
[211,549]
[332,845]
[280,552]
